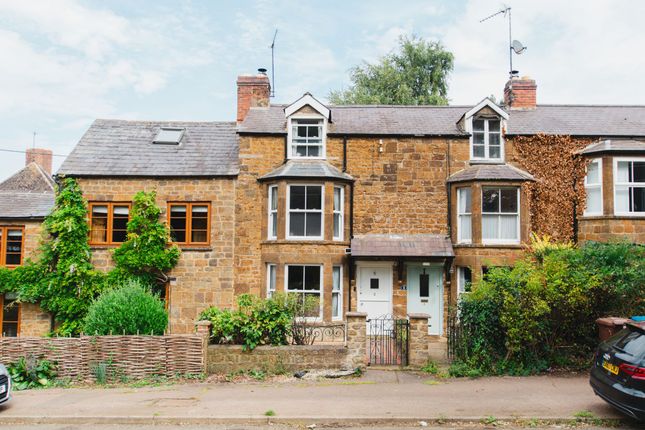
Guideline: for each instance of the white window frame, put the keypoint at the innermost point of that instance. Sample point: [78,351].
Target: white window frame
[338,292]
[627,184]
[274,278]
[486,156]
[461,213]
[341,214]
[305,291]
[322,213]
[597,186]
[323,131]
[461,287]
[272,213]
[499,214]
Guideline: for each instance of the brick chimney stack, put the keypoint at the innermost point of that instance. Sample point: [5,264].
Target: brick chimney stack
[42,157]
[252,91]
[520,93]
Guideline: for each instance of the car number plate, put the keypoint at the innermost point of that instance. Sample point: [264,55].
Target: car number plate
[3,389]
[612,368]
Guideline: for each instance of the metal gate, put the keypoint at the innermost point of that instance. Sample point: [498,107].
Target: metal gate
[387,340]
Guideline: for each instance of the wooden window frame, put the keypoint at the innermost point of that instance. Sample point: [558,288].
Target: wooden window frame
[293,146]
[2,316]
[486,132]
[110,223]
[3,245]
[189,226]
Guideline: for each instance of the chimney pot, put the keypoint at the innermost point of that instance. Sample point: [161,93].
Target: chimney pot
[252,91]
[40,156]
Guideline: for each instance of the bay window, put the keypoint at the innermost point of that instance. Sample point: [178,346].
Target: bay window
[339,204]
[486,139]
[464,213]
[593,188]
[306,281]
[306,138]
[305,212]
[500,215]
[273,212]
[629,187]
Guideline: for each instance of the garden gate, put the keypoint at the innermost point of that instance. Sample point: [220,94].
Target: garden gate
[387,340]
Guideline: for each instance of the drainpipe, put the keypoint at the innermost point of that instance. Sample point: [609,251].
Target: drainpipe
[351,236]
[449,199]
[286,149]
[344,153]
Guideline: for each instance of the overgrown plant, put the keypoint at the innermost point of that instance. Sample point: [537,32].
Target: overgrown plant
[31,372]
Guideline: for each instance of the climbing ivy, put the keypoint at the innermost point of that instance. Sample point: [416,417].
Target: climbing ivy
[146,254]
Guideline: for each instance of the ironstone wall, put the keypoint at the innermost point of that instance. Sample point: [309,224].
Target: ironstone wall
[131,357]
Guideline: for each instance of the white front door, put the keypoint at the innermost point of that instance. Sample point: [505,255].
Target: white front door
[425,294]
[375,290]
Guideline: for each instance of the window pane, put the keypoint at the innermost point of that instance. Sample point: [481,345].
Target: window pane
[478,124]
[622,198]
[314,224]
[490,227]
[178,223]
[301,151]
[119,223]
[302,131]
[313,305]
[593,173]
[314,131]
[335,305]
[274,225]
[10,311]
[274,198]
[623,173]
[490,200]
[508,227]
[424,285]
[297,197]
[479,151]
[493,125]
[295,277]
[594,200]
[478,138]
[494,152]
[297,224]
[314,197]
[336,278]
[509,200]
[465,227]
[493,139]
[99,217]
[10,329]
[199,236]
[313,151]
[465,200]
[639,199]
[639,171]
[337,225]
[312,278]
[337,193]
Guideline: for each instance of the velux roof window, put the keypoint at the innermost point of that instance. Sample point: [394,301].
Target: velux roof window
[169,136]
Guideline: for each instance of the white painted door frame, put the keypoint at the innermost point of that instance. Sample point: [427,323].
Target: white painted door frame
[361,266]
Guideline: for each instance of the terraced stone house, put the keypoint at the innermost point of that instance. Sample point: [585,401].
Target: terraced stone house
[388,210]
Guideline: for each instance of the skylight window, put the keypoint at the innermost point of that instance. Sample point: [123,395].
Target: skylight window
[169,136]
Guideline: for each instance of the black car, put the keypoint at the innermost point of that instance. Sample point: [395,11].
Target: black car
[618,373]
[5,385]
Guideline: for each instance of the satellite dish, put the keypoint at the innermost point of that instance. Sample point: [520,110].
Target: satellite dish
[517,47]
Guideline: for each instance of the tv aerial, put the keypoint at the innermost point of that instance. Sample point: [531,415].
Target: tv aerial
[514,46]
[272,94]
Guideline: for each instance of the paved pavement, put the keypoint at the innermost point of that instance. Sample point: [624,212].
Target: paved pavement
[286,427]
[384,397]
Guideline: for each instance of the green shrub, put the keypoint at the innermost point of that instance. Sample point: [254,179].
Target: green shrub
[31,372]
[541,313]
[130,309]
[255,321]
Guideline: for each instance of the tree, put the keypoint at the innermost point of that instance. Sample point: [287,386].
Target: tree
[415,75]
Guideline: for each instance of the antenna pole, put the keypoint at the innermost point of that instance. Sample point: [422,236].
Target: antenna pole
[510,47]
[273,64]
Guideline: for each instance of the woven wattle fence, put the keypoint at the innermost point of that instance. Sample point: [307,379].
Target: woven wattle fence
[130,357]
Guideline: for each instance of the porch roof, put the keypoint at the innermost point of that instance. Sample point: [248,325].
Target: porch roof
[401,245]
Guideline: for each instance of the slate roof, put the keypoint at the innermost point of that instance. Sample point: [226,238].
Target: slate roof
[491,172]
[27,194]
[608,145]
[307,169]
[125,148]
[367,120]
[401,245]
[575,120]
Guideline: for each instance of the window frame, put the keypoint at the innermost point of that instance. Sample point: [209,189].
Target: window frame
[3,245]
[461,214]
[323,137]
[304,291]
[271,213]
[629,185]
[338,292]
[487,140]
[500,214]
[461,287]
[109,228]
[597,186]
[341,214]
[2,321]
[189,226]
[322,212]
[271,291]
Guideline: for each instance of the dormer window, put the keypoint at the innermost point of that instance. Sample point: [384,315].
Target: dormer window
[486,139]
[307,138]
[169,136]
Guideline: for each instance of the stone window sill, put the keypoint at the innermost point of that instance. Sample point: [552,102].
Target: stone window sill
[611,217]
[489,246]
[306,242]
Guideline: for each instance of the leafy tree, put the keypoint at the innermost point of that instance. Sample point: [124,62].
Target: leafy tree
[63,280]
[145,254]
[415,75]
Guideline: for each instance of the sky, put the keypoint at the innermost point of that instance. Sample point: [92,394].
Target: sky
[67,62]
